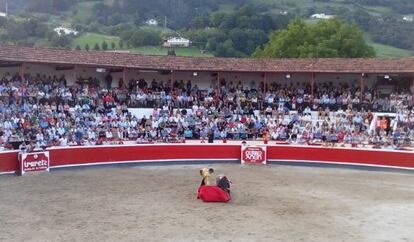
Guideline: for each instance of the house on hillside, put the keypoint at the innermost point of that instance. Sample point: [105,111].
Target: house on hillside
[2,14]
[177,42]
[321,16]
[408,18]
[65,31]
[151,22]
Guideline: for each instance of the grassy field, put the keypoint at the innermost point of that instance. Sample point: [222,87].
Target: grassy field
[152,50]
[389,51]
[92,39]
[386,50]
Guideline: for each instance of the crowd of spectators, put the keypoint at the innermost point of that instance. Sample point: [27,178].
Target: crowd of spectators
[43,111]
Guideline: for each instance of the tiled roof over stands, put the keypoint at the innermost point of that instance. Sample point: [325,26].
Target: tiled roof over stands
[11,53]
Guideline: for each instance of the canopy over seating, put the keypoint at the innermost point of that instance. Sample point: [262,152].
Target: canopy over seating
[17,54]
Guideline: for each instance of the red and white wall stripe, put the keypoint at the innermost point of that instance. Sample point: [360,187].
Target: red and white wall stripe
[100,155]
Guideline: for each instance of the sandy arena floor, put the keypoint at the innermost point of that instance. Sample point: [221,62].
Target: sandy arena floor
[273,203]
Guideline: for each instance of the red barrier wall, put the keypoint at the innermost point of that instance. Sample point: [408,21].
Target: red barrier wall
[77,156]
[8,162]
[82,155]
[403,159]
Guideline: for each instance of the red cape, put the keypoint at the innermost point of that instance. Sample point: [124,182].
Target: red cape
[213,194]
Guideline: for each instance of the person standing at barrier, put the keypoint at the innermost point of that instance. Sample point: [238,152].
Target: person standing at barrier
[384,125]
[210,136]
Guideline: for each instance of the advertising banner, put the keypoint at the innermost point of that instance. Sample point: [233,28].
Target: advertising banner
[34,162]
[254,155]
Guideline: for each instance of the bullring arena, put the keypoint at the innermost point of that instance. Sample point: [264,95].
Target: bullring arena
[119,140]
[149,194]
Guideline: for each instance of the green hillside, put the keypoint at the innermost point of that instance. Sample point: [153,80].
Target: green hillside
[110,21]
[389,51]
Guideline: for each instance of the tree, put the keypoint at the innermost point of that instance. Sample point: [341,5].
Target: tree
[15,31]
[78,48]
[121,44]
[104,46]
[200,22]
[61,41]
[3,22]
[330,38]
[115,19]
[113,46]
[96,47]
[93,27]
[243,30]
[144,37]
[87,47]
[171,52]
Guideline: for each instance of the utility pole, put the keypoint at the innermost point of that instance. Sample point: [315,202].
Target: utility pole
[165,23]
[7,8]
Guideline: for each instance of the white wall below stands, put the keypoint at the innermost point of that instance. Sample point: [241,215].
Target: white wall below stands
[147,112]
[141,112]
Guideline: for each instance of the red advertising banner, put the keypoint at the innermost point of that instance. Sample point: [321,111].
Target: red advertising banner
[254,155]
[33,162]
